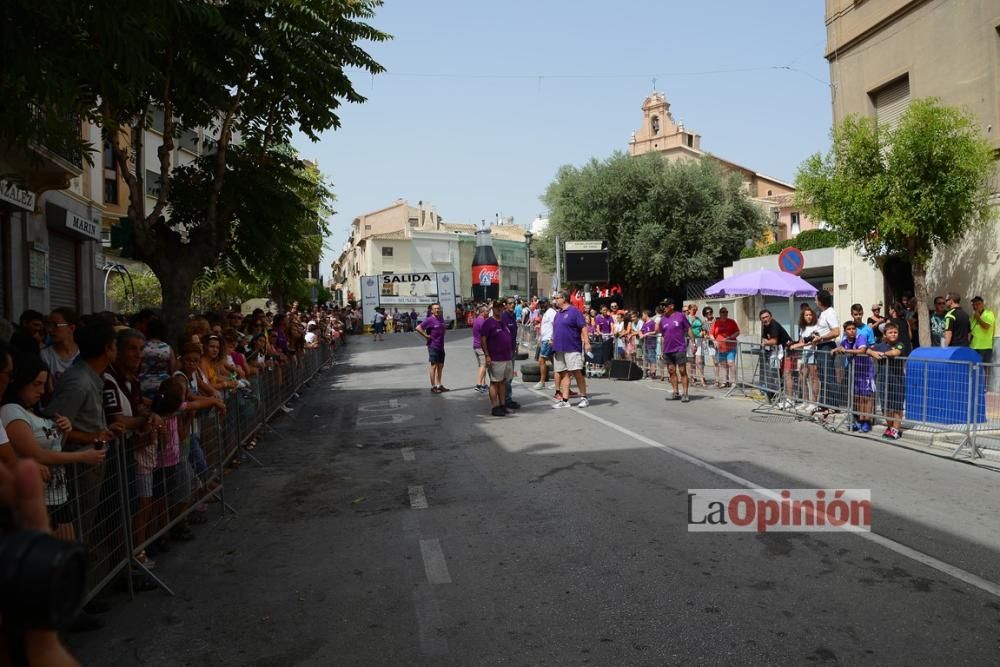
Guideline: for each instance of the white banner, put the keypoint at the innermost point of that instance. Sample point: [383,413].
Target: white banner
[369,298]
[446,294]
[408,290]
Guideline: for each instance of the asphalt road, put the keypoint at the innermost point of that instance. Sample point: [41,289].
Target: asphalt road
[393,526]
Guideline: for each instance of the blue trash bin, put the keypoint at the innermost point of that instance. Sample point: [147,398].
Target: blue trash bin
[937,385]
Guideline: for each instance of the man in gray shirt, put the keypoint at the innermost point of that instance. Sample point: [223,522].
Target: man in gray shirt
[79,396]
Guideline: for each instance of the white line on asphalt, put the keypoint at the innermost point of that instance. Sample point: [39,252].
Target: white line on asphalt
[418,500]
[408,454]
[430,624]
[891,545]
[434,563]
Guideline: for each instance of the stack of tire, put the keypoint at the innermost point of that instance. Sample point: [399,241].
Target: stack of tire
[530,373]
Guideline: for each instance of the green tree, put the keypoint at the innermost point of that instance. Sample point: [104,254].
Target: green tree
[132,292]
[666,223]
[254,71]
[905,190]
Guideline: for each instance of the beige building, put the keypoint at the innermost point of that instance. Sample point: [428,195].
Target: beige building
[660,133]
[840,271]
[882,54]
[401,238]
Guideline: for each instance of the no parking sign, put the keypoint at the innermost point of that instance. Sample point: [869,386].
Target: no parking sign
[791,261]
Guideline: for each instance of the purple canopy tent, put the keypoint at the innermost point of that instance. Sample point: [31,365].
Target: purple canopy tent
[766,283]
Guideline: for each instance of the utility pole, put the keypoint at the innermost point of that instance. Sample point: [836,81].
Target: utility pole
[558,265]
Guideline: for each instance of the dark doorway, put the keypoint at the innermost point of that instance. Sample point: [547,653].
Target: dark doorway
[898,274]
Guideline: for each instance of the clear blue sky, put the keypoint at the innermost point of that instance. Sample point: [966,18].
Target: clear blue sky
[452,124]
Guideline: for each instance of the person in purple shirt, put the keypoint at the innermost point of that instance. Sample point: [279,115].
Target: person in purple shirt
[495,339]
[604,321]
[647,333]
[510,321]
[569,341]
[676,332]
[482,313]
[432,329]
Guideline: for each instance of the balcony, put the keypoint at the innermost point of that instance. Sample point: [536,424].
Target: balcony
[46,167]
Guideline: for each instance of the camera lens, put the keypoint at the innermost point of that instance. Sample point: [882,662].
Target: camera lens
[42,579]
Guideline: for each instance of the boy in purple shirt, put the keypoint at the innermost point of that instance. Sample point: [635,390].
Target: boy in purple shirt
[603,321]
[498,348]
[676,331]
[855,347]
[482,313]
[432,329]
[648,335]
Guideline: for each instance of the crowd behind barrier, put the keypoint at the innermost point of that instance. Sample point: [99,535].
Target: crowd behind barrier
[845,384]
[134,436]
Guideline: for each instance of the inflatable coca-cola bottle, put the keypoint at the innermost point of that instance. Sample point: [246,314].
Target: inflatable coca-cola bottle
[485,270]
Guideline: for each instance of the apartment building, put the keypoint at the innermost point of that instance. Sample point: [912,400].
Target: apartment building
[884,53]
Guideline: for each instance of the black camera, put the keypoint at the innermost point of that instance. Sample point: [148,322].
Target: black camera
[808,339]
[42,579]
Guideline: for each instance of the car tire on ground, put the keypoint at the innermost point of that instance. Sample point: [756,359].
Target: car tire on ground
[530,368]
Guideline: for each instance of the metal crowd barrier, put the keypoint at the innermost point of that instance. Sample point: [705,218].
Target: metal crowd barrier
[947,399]
[141,492]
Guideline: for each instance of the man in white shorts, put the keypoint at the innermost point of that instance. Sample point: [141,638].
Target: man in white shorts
[569,343]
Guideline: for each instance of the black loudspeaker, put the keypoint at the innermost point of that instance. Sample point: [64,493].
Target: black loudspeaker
[622,369]
[587,266]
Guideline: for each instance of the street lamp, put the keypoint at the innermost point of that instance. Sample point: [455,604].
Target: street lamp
[527,244]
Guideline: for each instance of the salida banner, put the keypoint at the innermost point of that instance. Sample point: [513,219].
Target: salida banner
[408,291]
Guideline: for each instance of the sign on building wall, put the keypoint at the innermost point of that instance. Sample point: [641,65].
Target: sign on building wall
[408,291]
[16,195]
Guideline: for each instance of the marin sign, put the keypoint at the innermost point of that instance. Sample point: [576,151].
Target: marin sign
[84,226]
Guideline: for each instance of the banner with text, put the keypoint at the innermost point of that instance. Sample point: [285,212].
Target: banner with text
[408,291]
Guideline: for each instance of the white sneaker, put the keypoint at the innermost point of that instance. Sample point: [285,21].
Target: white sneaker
[286,409]
[540,385]
[560,404]
[583,403]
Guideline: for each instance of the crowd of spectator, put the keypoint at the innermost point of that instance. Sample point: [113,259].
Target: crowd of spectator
[822,366]
[82,394]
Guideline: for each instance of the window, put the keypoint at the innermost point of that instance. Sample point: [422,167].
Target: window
[414,222]
[769,193]
[690,141]
[387,251]
[368,228]
[188,140]
[110,175]
[890,101]
[794,227]
[440,253]
[111,190]
[156,120]
[654,124]
[152,184]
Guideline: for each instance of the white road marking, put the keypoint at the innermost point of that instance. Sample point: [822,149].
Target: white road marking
[381,406]
[381,419]
[408,454]
[434,563]
[418,500]
[430,624]
[901,549]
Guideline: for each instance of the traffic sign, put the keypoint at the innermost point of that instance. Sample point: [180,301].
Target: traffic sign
[791,261]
